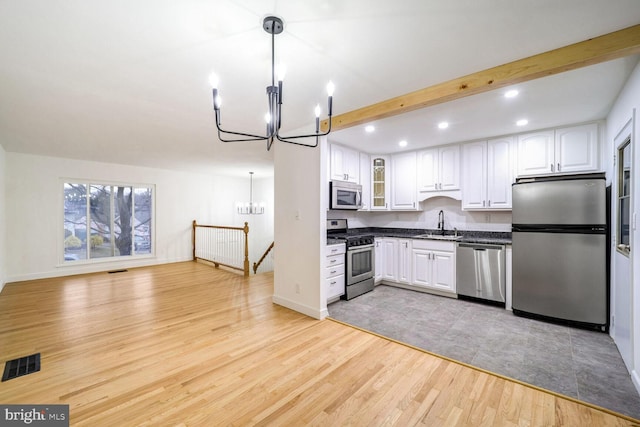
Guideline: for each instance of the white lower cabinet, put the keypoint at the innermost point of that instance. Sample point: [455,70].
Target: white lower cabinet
[389,259]
[418,263]
[404,261]
[433,265]
[334,271]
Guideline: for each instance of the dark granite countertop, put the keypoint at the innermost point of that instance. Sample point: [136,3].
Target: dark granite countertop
[468,236]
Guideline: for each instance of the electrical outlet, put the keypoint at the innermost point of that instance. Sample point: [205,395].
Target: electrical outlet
[298,288]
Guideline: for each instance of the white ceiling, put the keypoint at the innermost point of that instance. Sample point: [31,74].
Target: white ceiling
[126,81]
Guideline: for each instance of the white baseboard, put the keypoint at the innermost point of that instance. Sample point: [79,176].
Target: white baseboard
[300,308]
[70,270]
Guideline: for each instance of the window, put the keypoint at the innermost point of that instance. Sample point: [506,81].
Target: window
[103,220]
[624,197]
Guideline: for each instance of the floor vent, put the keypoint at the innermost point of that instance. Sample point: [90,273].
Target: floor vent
[117,271]
[22,366]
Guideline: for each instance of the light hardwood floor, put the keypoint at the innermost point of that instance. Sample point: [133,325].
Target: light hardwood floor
[185,344]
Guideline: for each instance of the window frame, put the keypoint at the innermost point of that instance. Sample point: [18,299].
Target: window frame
[623,248]
[88,183]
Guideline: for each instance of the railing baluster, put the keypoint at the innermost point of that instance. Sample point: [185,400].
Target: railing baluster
[222,245]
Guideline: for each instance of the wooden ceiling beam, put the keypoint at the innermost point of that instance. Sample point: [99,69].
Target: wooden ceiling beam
[589,52]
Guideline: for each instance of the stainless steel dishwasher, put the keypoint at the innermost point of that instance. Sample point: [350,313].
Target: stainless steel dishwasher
[480,271]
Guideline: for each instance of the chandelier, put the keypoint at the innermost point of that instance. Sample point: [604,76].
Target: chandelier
[250,208]
[273,118]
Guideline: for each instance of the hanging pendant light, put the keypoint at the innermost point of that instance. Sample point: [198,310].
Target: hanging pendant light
[272,25]
[250,208]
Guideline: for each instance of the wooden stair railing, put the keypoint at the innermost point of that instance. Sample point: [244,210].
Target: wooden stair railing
[264,255]
[209,254]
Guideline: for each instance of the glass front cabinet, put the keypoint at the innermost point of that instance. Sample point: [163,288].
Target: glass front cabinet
[379,183]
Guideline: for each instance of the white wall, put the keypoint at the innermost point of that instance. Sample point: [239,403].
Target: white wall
[299,226]
[34,209]
[454,217]
[628,100]
[3,222]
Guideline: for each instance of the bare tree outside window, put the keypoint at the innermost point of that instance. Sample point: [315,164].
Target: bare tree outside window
[106,221]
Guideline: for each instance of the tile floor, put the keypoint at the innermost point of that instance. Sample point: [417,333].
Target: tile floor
[583,364]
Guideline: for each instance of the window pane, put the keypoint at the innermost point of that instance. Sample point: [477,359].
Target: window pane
[123,219]
[75,222]
[101,243]
[118,221]
[142,221]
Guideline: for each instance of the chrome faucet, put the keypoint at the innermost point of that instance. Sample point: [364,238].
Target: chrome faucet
[441,222]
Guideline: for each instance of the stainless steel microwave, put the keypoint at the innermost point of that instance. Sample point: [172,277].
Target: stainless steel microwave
[345,195]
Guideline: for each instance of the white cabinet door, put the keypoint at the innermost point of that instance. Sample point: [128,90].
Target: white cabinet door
[566,150]
[365,180]
[433,265]
[404,261]
[428,161]
[499,173]
[379,183]
[390,260]
[439,169]
[576,149]
[450,168]
[379,259]
[421,267]
[403,181]
[536,153]
[444,271]
[474,175]
[344,163]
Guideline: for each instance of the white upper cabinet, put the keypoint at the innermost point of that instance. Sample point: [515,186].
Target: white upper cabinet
[344,164]
[486,174]
[577,149]
[379,183]
[565,150]
[365,180]
[474,175]
[439,169]
[536,154]
[404,181]
[499,173]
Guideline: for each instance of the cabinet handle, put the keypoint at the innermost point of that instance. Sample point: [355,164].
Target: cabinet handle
[333,283]
[483,203]
[558,167]
[333,272]
[551,167]
[333,260]
[489,203]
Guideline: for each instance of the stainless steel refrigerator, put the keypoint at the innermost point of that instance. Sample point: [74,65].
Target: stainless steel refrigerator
[560,249]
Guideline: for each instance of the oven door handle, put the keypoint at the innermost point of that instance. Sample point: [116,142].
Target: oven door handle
[362,248]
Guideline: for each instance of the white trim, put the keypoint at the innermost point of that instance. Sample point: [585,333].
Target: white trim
[89,268]
[304,309]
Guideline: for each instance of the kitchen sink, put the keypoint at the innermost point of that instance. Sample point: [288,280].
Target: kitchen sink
[439,237]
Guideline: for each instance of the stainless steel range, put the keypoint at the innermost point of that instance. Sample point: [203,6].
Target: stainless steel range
[360,260]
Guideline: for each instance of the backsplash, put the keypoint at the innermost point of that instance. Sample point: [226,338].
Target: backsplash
[454,217]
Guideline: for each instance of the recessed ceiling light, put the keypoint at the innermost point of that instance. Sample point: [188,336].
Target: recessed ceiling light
[443,125]
[522,122]
[369,128]
[402,143]
[511,93]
